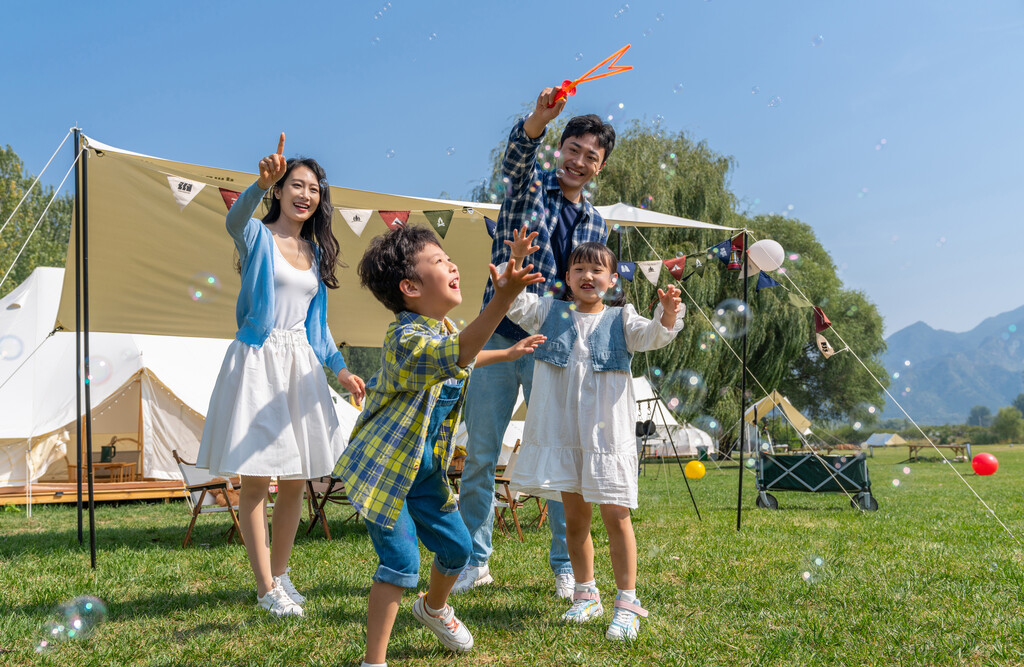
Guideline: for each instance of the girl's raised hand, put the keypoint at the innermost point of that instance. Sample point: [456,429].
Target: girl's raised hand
[273,166]
[522,243]
[525,346]
[671,304]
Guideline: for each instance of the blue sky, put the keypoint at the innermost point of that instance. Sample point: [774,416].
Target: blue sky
[926,224]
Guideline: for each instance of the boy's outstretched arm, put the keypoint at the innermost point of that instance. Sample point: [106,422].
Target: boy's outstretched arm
[506,287]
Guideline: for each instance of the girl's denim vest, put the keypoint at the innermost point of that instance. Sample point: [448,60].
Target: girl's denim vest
[607,343]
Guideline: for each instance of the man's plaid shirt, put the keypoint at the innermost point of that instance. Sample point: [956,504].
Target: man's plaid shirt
[533,198]
[383,455]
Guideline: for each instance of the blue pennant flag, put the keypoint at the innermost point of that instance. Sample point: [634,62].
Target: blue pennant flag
[721,251]
[764,280]
[491,226]
[627,270]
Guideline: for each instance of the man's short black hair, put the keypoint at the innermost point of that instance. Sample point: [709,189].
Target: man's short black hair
[391,258]
[591,124]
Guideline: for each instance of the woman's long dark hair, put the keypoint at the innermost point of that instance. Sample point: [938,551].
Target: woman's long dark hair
[317,229]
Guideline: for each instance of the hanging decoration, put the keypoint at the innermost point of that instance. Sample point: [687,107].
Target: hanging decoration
[676,266]
[627,270]
[823,346]
[356,218]
[651,270]
[440,221]
[799,301]
[765,281]
[394,219]
[229,196]
[821,321]
[184,190]
[492,226]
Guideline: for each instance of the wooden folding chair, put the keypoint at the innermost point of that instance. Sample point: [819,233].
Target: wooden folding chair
[321,491]
[199,487]
[506,501]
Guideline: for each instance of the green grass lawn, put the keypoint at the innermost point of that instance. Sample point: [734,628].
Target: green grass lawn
[930,578]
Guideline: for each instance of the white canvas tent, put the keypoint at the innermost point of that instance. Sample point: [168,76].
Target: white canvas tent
[152,391]
[686,437]
[162,223]
[884,440]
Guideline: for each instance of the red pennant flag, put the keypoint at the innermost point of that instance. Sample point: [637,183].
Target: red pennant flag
[394,219]
[821,322]
[230,197]
[676,266]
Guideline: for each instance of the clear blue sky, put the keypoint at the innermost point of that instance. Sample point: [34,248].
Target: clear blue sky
[933,238]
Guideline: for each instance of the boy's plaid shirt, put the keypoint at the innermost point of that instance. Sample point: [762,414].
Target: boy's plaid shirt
[533,198]
[383,455]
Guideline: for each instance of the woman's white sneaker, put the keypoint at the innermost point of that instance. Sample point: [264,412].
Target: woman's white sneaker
[277,602]
[471,577]
[286,583]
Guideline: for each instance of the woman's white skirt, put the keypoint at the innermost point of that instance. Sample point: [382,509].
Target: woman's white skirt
[271,413]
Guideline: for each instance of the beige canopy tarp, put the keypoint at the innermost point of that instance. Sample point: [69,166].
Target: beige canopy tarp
[158,267]
[764,406]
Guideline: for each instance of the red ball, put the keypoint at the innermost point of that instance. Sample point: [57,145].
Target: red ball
[985,464]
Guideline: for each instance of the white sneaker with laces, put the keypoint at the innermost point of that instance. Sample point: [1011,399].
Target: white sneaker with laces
[277,602]
[471,577]
[451,631]
[626,620]
[565,585]
[286,583]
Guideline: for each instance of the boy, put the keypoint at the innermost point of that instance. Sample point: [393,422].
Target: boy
[552,204]
[395,466]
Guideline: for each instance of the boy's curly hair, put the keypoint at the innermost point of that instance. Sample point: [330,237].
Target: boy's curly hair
[391,258]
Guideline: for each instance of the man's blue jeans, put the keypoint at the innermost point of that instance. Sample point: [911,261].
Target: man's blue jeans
[490,400]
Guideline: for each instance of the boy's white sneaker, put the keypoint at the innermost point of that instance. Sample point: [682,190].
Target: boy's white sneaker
[451,631]
[565,585]
[586,605]
[626,620]
[286,584]
[277,602]
[471,577]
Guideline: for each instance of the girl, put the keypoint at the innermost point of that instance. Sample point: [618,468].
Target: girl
[579,444]
[271,414]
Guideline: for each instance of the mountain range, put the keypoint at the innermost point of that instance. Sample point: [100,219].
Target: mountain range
[938,376]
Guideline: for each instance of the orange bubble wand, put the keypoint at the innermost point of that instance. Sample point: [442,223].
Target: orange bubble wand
[568,88]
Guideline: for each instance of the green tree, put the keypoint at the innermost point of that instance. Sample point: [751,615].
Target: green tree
[673,174]
[980,415]
[1019,402]
[48,244]
[1007,425]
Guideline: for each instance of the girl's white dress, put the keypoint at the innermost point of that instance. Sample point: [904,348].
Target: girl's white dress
[271,412]
[580,433]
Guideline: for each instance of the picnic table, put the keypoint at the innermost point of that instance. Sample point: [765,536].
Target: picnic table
[961,451]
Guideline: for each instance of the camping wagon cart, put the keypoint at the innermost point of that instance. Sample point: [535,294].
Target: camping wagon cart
[813,473]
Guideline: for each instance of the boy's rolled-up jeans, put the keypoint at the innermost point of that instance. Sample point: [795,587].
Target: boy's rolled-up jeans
[490,401]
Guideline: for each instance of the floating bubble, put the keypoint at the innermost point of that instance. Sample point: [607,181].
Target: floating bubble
[895,482]
[707,341]
[100,370]
[659,17]
[688,389]
[579,57]
[204,287]
[755,90]
[647,33]
[709,425]
[907,362]
[731,318]
[450,150]
[389,153]
[432,36]
[750,462]
[78,618]
[872,409]
[678,88]
[789,207]
[775,101]
[896,375]
[375,41]
[817,41]
[856,426]
[863,191]
[655,375]
[11,348]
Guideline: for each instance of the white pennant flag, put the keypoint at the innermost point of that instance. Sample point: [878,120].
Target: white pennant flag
[651,270]
[356,218]
[184,190]
[824,347]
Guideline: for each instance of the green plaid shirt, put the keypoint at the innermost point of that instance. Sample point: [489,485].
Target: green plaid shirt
[384,452]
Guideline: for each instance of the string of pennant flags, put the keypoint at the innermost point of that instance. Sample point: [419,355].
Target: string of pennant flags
[728,252]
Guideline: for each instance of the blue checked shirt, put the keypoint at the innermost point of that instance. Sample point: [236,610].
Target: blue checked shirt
[533,199]
[383,455]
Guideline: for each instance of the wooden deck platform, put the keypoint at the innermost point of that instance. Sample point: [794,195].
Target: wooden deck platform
[102,492]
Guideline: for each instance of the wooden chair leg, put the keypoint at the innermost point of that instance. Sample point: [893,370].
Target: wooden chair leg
[236,527]
[195,515]
[320,514]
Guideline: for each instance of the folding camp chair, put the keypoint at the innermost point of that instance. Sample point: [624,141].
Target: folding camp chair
[199,488]
[505,500]
[321,491]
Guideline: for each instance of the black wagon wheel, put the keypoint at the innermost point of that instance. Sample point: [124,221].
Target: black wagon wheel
[864,501]
[767,501]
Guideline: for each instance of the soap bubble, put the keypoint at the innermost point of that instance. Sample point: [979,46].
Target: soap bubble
[78,618]
[660,17]
[709,425]
[750,462]
[11,347]
[755,90]
[375,41]
[895,482]
[100,370]
[647,33]
[204,287]
[450,150]
[678,88]
[688,390]
[432,36]
[775,101]
[817,41]
[707,341]
[389,153]
[731,318]
[579,57]
[906,470]
[555,289]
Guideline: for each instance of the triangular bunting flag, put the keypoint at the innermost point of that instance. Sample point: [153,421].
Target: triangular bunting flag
[820,320]
[627,270]
[440,220]
[823,346]
[799,301]
[721,251]
[230,197]
[184,190]
[676,266]
[651,270]
[356,218]
[394,218]
[764,280]
[492,226]
[698,267]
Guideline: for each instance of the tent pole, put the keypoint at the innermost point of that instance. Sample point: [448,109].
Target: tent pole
[88,383]
[743,390]
[78,327]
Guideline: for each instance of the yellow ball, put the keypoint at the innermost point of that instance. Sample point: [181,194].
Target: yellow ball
[694,470]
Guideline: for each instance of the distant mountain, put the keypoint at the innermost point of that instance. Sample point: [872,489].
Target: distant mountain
[949,373]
